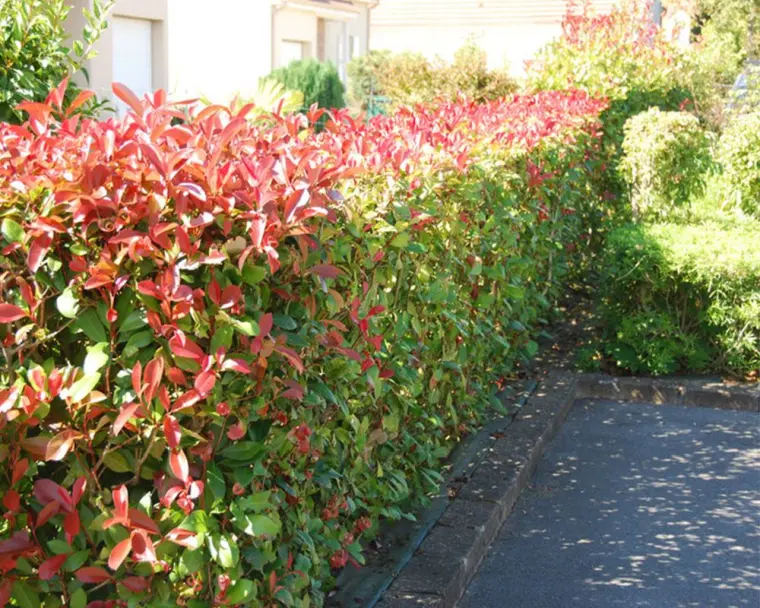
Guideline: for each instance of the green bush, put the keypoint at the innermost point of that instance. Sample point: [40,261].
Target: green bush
[682,297]
[622,56]
[364,72]
[411,78]
[35,55]
[666,156]
[738,155]
[732,19]
[319,82]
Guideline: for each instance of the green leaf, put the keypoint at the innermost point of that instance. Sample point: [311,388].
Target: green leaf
[242,591]
[193,560]
[78,599]
[223,335]
[244,451]
[76,560]
[215,481]
[247,327]
[90,324]
[136,342]
[285,596]
[262,525]
[25,596]
[117,462]
[223,550]
[256,502]
[135,320]
[285,322]
[401,240]
[197,522]
[12,231]
[83,387]
[96,358]
[67,304]
[254,274]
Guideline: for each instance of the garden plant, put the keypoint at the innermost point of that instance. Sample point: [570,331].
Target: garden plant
[230,347]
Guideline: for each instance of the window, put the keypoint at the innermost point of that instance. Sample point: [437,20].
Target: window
[291,50]
[133,55]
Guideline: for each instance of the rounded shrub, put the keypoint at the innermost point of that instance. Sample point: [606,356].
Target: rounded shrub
[738,155]
[318,81]
[666,156]
[621,56]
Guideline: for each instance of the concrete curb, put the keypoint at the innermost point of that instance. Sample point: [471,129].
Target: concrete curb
[441,569]
[692,392]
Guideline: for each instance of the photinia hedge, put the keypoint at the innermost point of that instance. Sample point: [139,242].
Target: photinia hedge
[231,347]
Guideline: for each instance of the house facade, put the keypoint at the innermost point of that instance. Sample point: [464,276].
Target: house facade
[218,48]
[509,31]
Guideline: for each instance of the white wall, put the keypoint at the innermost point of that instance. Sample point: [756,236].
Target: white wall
[218,48]
[297,26]
[504,44]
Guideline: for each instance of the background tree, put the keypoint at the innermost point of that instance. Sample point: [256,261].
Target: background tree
[36,53]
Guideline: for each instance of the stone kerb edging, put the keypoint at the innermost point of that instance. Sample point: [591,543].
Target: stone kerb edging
[693,392]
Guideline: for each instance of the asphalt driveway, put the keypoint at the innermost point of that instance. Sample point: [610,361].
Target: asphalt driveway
[634,505]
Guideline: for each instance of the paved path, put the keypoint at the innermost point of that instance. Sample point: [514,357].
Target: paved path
[634,505]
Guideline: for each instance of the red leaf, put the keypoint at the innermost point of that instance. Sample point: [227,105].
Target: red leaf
[291,356]
[92,575]
[19,469]
[47,512]
[10,313]
[121,501]
[127,411]
[187,349]
[136,584]
[295,391]
[50,567]
[138,519]
[189,399]
[176,376]
[78,490]
[142,547]
[204,383]
[38,250]
[183,538]
[47,491]
[326,271]
[265,324]
[18,543]
[119,553]
[128,97]
[172,431]
[236,431]
[154,371]
[80,100]
[71,525]
[5,592]
[237,365]
[60,445]
[178,465]
[12,500]
[137,378]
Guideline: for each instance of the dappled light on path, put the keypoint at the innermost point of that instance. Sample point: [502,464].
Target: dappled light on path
[635,505]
